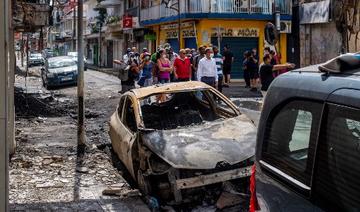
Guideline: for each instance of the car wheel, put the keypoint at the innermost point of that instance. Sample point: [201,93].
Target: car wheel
[143,182]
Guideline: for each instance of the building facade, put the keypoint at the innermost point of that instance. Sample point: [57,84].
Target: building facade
[239,24]
[331,30]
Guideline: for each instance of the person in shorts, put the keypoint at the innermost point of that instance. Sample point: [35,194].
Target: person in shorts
[228,61]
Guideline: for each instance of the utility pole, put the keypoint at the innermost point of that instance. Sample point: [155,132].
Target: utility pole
[179,23]
[4,182]
[74,27]
[81,102]
[100,45]
[22,49]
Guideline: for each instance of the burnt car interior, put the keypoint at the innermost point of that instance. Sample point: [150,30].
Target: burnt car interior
[183,109]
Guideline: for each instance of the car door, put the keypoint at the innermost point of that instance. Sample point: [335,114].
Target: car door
[285,163]
[123,131]
[336,184]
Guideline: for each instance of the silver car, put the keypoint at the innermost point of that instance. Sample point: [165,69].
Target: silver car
[36,59]
[59,71]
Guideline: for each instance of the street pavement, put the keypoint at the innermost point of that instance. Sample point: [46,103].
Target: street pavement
[46,173]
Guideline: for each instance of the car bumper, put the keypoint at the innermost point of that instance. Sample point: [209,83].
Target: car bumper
[62,80]
[209,179]
[36,62]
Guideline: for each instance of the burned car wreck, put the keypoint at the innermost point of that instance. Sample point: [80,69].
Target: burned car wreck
[180,141]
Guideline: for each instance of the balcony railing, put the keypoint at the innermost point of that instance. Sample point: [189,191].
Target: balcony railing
[266,7]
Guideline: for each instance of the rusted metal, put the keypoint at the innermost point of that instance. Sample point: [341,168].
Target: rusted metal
[218,177]
[173,176]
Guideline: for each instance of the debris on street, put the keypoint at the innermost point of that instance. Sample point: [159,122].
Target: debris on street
[46,173]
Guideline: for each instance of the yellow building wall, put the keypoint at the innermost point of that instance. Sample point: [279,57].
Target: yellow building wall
[204,29]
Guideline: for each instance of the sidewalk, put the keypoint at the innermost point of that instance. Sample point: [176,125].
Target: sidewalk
[237,90]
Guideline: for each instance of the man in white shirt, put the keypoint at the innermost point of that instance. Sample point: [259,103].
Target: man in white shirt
[207,69]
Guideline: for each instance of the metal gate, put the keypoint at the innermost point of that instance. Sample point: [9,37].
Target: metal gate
[174,44]
[190,43]
[237,46]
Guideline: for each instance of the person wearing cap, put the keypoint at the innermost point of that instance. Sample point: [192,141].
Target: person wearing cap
[126,56]
[207,69]
[146,78]
[132,74]
[142,55]
[182,67]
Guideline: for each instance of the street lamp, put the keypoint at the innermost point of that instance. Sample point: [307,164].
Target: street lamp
[174,6]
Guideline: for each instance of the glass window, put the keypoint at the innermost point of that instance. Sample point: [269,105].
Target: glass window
[337,170]
[129,119]
[121,106]
[290,139]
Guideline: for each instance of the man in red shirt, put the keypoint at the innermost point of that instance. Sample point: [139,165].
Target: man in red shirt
[182,67]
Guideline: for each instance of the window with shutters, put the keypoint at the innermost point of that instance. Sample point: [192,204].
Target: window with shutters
[337,169]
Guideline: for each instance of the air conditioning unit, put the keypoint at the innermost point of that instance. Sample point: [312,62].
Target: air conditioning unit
[244,4]
[285,27]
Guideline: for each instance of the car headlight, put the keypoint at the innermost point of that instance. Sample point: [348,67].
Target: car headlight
[50,75]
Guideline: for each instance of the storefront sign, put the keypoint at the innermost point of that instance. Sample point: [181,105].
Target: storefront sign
[236,32]
[175,26]
[186,33]
[171,34]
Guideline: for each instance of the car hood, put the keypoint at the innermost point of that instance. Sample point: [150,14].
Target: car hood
[63,69]
[204,146]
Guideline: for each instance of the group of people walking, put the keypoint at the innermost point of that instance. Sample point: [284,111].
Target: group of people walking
[206,65]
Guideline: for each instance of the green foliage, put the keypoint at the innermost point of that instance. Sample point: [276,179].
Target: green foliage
[102,14]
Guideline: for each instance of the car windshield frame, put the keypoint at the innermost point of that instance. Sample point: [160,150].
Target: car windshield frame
[62,63]
[207,93]
[36,55]
[72,54]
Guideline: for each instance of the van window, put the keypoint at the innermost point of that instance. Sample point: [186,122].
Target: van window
[337,170]
[290,139]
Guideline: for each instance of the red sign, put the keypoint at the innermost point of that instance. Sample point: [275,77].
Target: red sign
[127,22]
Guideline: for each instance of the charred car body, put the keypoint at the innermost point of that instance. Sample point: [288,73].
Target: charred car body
[181,138]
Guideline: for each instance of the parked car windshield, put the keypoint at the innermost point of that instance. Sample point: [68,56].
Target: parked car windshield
[36,55]
[173,110]
[72,54]
[61,63]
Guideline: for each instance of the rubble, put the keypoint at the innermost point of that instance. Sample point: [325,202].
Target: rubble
[46,174]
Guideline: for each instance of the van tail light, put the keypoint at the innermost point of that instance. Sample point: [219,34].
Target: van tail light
[254,205]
